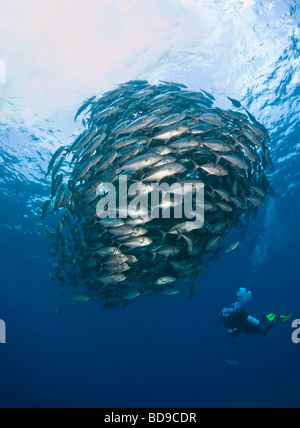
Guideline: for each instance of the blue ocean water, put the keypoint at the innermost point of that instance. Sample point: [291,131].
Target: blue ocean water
[164,351]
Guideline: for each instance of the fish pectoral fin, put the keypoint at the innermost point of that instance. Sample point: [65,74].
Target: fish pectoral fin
[164,234]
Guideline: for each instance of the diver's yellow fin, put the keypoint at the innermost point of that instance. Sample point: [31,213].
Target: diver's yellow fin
[283,318]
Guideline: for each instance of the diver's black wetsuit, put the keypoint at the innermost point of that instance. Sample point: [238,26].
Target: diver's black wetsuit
[238,322]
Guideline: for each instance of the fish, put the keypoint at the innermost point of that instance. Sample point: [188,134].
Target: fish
[126,142]
[165,161]
[161,111]
[119,268]
[171,132]
[210,206]
[59,198]
[166,280]
[138,242]
[161,150]
[56,155]
[186,227]
[112,222]
[154,136]
[201,129]
[111,279]
[193,291]
[49,233]
[78,298]
[224,194]
[268,159]
[105,113]
[259,131]
[251,116]
[94,144]
[259,191]
[122,230]
[106,161]
[212,119]
[170,120]
[139,231]
[186,143]
[165,171]
[131,294]
[82,141]
[138,124]
[210,96]
[168,251]
[253,138]
[171,291]
[84,107]
[239,202]
[108,251]
[67,197]
[217,146]
[224,206]
[87,167]
[141,162]
[236,103]
[250,152]
[217,170]
[255,200]
[236,161]
[178,85]
[213,243]
[115,260]
[46,208]
[218,227]
[131,259]
[131,153]
[142,94]
[56,183]
[57,167]
[231,247]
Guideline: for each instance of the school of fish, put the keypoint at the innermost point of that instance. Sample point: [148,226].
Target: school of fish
[152,134]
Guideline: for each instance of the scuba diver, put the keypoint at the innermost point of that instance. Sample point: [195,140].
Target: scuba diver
[237,321]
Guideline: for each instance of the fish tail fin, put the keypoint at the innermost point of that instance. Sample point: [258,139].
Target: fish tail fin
[196,119]
[236,143]
[149,142]
[164,234]
[141,181]
[218,158]
[195,165]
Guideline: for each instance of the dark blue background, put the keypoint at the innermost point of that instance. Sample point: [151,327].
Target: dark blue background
[165,351]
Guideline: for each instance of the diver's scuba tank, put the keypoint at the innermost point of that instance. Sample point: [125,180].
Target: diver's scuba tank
[253,321]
